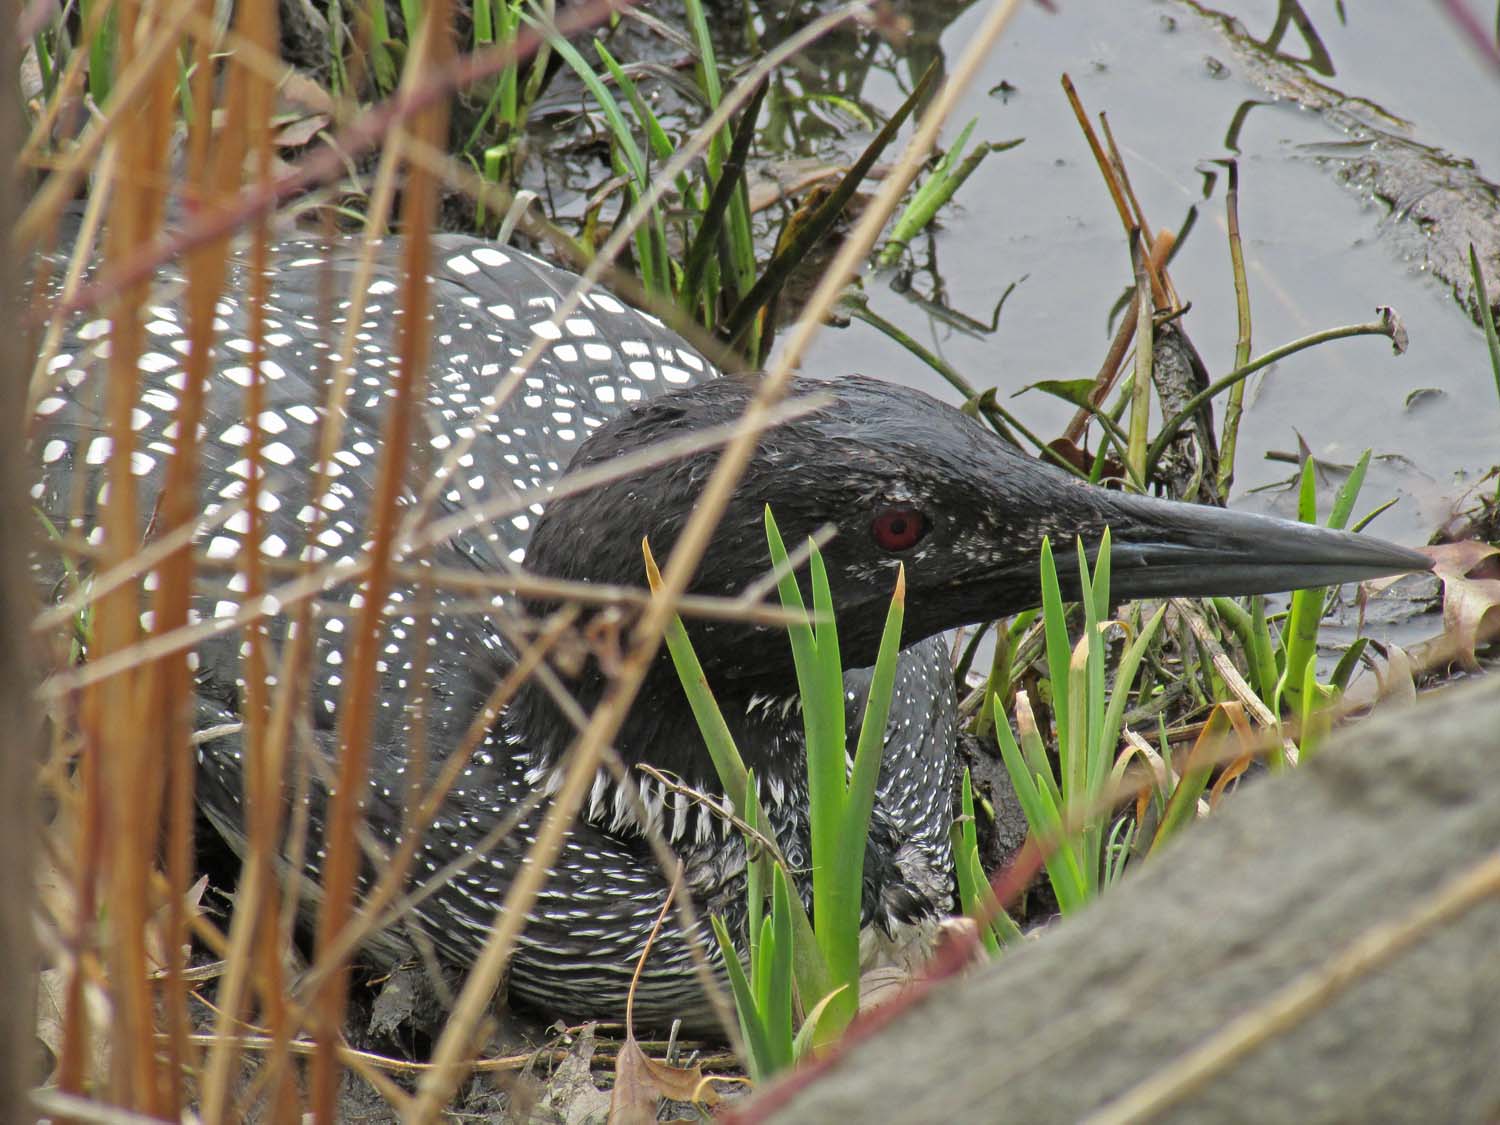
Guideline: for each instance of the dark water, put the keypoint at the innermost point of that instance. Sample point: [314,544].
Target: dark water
[1319,253]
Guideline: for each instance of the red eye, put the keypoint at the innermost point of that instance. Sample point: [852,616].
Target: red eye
[898,528]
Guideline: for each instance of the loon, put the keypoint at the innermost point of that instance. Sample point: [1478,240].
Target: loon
[900,477]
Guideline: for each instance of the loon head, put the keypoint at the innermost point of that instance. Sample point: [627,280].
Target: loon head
[901,478]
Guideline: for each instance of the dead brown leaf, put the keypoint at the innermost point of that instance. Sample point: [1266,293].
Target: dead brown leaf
[157,927]
[1470,559]
[301,131]
[52,1015]
[884,983]
[1398,681]
[1470,573]
[641,1082]
[303,90]
[570,1092]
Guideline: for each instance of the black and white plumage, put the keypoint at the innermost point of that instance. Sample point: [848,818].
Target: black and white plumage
[900,477]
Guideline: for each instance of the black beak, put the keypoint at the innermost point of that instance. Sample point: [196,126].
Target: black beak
[1162,548]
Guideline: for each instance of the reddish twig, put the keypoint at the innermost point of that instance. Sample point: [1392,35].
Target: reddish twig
[1482,41]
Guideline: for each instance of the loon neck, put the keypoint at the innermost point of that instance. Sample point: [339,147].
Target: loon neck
[660,729]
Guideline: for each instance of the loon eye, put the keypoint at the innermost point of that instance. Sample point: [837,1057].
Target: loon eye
[898,528]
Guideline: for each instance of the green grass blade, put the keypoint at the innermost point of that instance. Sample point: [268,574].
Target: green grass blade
[484,25]
[101,51]
[1096,613]
[808,966]
[778,1004]
[1263,648]
[984,905]
[738,783]
[774,277]
[504,101]
[928,199]
[763,949]
[741,238]
[757,1042]
[1078,797]
[1034,751]
[816,976]
[871,745]
[1117,850]
[963,838]
[603,99]
[48,71]
[1055,628]
[1347,663]
[1039,801]
[872,728]
[1182,806]
[791,594]
[728,763]
[1073,751]
[651,238]
[1021,776]
[1041,811]
[836,900]
[826,762]
[659,144]
[757,870]
[381,60]
[1348,493]
[656,136]
[933,186]
[968,873]
[1306,613]
[1130,662]
[411,15]
[1069,881]
[1486,316]
[807,1033]
[1002,929]
[716,211]
[830,682]
[1255,638]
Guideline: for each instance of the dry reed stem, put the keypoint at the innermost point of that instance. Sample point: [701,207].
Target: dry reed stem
[19,725]
[500,1064]
[253,939]
[1117,181]
[430,51]
[172,677]
[1152,262]
[119,726]
[1163,292]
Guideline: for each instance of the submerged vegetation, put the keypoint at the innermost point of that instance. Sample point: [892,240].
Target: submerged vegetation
[624,144]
